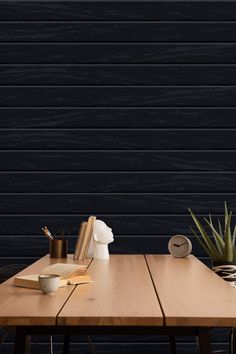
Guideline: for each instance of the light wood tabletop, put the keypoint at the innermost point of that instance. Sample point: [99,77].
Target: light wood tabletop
[20,306]
[191,294]
[127,290]
[152,294]
[122,294]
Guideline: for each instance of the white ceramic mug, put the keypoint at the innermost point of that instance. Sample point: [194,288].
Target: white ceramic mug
[49,283]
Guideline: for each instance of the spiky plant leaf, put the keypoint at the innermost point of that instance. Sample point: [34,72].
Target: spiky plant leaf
[218,240]
[226,216]
[224,245]
[220,229]
[233,243]
[234,237]
[215,253]
[204,246]
[228,252]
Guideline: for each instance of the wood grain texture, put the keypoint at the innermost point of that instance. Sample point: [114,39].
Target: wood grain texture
[118,161]
[116,297]
[216,333]
[191,294]
[131,46]
[117,117]
[117,10]
[118,139]
[130,203]
[13,245]
[8,260]
[123,224]
[20,306]
[218,96]
[113,182]
[118,74]
[150,53]
[117,32]
[124,348]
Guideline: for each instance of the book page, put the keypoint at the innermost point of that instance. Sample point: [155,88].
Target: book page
[31,277]
[32,282]
[64,270]
[80,279]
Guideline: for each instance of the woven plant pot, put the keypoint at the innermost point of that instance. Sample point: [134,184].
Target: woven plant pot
[226,271]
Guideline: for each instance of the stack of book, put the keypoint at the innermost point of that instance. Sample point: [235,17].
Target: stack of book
[84,239]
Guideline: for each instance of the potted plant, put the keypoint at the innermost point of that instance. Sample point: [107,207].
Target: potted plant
[220,246]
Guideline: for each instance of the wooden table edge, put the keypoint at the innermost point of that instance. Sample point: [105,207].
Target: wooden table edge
[111,321]
[222,322]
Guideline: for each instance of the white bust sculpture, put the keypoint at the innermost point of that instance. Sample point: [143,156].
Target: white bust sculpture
[102,236]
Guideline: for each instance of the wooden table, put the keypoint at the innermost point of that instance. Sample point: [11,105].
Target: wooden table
[152,294]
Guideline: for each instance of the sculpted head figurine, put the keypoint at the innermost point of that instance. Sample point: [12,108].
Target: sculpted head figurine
[102,236]
[102,233]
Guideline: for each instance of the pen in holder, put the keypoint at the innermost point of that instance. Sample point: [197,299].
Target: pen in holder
[58,248]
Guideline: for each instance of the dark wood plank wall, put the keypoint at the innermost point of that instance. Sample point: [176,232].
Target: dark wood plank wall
[125,110]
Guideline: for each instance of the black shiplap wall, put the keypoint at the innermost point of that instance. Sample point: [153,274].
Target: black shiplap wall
[125,110]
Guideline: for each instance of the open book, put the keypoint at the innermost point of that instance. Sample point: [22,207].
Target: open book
[69,274]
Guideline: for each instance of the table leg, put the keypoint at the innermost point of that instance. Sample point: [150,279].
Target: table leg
[66,347]
[22,342]
[203,340]
[172,344]
[51,345]
[232,341]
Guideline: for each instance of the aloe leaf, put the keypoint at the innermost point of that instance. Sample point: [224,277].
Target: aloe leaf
[220,229]
[234,254]
[204,246]
[228,254]
[218,240]
[234,258]
[234,237]
[226,215]
[206,238]
[233,242]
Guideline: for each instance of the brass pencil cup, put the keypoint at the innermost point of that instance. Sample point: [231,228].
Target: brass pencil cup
[58,248]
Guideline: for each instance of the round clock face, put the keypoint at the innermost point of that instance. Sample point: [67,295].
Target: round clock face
[179,246]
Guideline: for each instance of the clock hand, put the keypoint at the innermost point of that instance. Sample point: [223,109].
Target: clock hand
[175,244]
[183,243]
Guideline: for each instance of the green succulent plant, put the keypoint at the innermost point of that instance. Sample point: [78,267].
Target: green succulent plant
[220,246]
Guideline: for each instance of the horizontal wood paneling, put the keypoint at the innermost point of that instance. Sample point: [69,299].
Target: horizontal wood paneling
[112,203]
[107,182]
[124,348]
[118,75]
[16,260]
[117,10]
[117,32]
[122,224]
[117,117]
[118,161]
[221,96]
[13,246]
[118,139]
[78,76]
[216,333]
[204,53]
